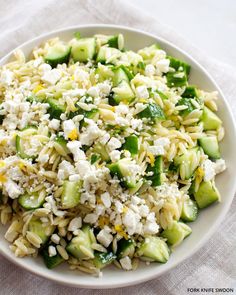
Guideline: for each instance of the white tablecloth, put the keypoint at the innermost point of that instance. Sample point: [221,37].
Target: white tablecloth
[214,265]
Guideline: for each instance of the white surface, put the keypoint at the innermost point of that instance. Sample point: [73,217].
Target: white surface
[209,24]
[213,265]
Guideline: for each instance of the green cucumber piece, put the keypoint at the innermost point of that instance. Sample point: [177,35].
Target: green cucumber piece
[210,146]
[189,211]
[83,239]
[25,134]
[131,144]
[123,92]
[36,226]
[162,95]
[83,49]
[51,261]
[30,202]
[125,248]
[186,102]
[100,149]
[122,171]
[157,170]
[154,249]
[188,162]
[94,158]
[210,120]
[176,79]
[113,42]
[105,51]
[207,194]
[152,112]
[55,109]
[58,54]
[190,92]
[178,64]
[119,75]
[71,194]
[102,260]
[176,233]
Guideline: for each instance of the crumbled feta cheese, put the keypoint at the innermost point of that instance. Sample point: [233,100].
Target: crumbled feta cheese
[93,91]
[74,147]
[136,124]
[143,210]
[156,150]
[130,221]
[219,166]
[13,189]
[142,92]
[83,167]
[139,107]
[65,169]
[119,206]
[150,70]
[52,251]
[81,75]
[74,177]
[209,170]
[115,155]
[43,68]
[106,199]
[150,228]
[113,144]
[43,158]
[79,92]
[104,88]
[55,238]
[75,224]
[69,128]
[104,237]
[163,65]
[54,124]
[91,134]
[7,77]
[122,109]
[126,263]
[52,77]
[163,141]
[104,139]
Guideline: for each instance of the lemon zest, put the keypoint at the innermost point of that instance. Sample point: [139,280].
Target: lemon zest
[73,135]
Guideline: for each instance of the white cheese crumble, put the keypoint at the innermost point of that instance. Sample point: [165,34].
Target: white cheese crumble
[220,166]
[91,133]
[65,169]
[115,155]
[106,199]
[142,92]
[68,127]
[54,124]
[163,65]
[7,77]
[150,70]
[113,144]
[104,237]
[52,77]
[52,251]
[78,154]
[209,170]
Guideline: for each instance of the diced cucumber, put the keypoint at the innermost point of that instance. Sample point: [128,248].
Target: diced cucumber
[188,162]
[122,171]
[206,194]
[119,75]
[100,149]
[123,92]
[190,92]
[176,233]
[156,170]
[131,144]
[129,74]
[113,42]
[55,109]
[77,35]
[210,120]
[30,202]
[21,139]
[58,54]
[51,261]
[80,242]
[61,143]
[152,112]
[176,79]
[106,52]
[33,98]
[179,65]
[93,114]
[189,211]
[125,248]
[44,232]
[162,95]
[102,260]
[94,158]
[210,146]
[104,72]
[71,194]
[83,49]
[186,102]
[154,249]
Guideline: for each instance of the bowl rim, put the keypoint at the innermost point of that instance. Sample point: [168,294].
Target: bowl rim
[216,223]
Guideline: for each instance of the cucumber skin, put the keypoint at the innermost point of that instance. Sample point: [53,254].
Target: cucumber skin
[185,216]
[55,110]
[22,201]
[53,62]
[152,112]
[177,233]
[173,81]
[122,246]
[131,144]
[190,92]
[80,47]
[102,260]
[157,170]
[176,64]
[51,262]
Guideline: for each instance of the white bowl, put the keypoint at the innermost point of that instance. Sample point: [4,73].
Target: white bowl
[209,218]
